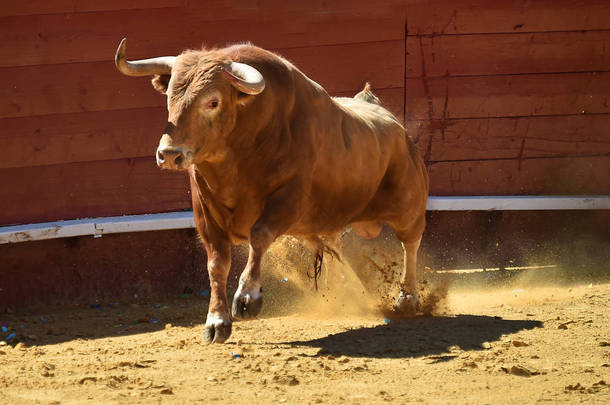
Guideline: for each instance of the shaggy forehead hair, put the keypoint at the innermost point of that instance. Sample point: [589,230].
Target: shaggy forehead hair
[194,72]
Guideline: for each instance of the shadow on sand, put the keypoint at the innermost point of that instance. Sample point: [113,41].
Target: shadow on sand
[401,338]
[420,336]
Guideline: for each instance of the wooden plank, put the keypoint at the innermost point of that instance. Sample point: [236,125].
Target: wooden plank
[215,9]
[426,17]
[80,87]
[474,16]
[261,9]
[78,190]
[80,137]
[38,7]
[458,55]
[511,95]
[348,67]
[104,135]
[98,86]
[562,176]
[89,37]
[501,138]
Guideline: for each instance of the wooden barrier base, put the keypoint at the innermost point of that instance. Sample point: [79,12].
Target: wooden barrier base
[126,267]
[145,266]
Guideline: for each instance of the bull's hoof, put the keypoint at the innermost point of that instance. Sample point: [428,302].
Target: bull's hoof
[216,330]
[246,306]
[407,303]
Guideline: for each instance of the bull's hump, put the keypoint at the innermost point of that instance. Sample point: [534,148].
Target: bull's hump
[367,111]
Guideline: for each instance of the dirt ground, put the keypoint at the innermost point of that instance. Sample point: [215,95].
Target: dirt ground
[524,341]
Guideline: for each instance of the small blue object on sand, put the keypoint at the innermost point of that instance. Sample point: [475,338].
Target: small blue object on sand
[386,320]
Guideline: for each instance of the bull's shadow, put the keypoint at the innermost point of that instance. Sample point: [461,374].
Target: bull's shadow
[420,336]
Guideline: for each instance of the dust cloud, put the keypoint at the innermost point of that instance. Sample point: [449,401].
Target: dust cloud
[289,285]
[364,282]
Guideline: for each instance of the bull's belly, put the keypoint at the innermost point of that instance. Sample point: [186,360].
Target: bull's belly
[318,222]
[366,214]
[365,229]
[331,220]
[314,228]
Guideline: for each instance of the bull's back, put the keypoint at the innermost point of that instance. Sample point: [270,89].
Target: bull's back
[360,145]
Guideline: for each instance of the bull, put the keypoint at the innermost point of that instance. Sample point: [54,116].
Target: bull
[268,152]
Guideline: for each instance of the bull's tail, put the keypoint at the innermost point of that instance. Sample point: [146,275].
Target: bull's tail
[319,246]
[367,95]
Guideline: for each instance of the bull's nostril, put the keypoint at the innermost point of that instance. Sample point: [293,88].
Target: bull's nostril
[179,159]
[170,158]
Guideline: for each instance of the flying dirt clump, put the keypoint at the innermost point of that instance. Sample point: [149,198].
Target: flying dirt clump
[432,301]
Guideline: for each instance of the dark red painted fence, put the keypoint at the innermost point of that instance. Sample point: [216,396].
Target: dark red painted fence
[502,97]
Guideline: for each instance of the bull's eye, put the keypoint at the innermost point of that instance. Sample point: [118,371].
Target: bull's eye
[212,104]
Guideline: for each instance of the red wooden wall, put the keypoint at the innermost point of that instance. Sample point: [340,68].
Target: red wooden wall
[511,97]
[502,97]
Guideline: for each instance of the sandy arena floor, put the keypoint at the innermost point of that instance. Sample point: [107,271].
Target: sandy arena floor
[517,345]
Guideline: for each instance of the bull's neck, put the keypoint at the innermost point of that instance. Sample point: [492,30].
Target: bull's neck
[219,172]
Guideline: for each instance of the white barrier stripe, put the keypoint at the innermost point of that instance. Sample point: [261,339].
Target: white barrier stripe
[518,203]
[97,226]
[184,219]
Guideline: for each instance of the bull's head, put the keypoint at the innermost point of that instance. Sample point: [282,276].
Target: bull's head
[204,90]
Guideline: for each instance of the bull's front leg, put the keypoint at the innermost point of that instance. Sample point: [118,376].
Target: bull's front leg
[280,212]
[218,248]
[248,298]
[218,324]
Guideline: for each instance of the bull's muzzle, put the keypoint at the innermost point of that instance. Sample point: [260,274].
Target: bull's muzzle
[172,158]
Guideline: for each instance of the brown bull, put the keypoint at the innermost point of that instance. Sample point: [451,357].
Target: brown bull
[269,152]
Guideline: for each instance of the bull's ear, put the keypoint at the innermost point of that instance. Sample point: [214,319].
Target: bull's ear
[160,83]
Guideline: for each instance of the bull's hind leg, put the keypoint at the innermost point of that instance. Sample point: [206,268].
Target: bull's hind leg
[408,297]
[248,298]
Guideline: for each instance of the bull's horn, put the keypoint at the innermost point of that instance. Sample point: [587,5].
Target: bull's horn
[145,67]
[245,78]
